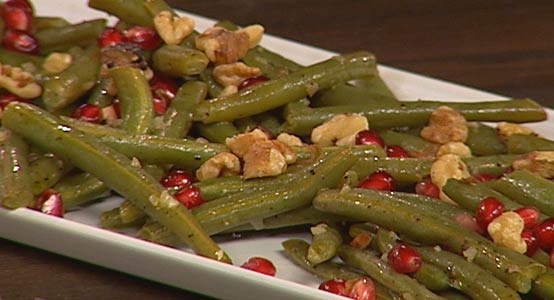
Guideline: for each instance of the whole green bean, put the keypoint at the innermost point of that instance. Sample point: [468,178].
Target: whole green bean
[483,140]
[494,165]
[62,38]
[40,22]
[414,144]
[15,182]
[79,189]
[20,59]
[521,143]
[217,132]
[214,88]
[118,172]
[130,11]
[179,61]
[277,92]
[271,64]
[363,90]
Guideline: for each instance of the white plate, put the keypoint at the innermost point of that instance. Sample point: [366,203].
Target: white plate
[77,235]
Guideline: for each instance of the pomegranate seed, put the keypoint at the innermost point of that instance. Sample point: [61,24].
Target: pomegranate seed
[484,177]
[260,265]
[177,179]
[50,203]
[7,98]
[379,180]
[544,233]
[110,36]
[252,81]
[531,241]
[20,41]
[189,196]
[396,151]
[369,137]
[468,222]
[404,259]
[336,286]
[145,37]
[87,112]
[488,210]
[426,187]
[17,15]
[163,86]
[530,216]
[362,288]
[160,105]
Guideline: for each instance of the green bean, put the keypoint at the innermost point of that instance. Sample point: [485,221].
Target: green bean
[99,95]
[135,99]
[245,124]
[453,295]
[153,7]
[45,171]
[430,228]
[415,145]
[325,242]
[271,64]
[363,90]
[543,286]
[130,11]
[269,121]
[79,189]
[68,86]
[118,172]
[111,219]
[40,22]
[179,61]
[217,132]
[15,182]
[423,202]
[20,59]
[214,89]
[379,271]
[226,24]
[494,165]
[155,232]
[483,140]
[63,38]
[403,170]
[277,92]
[527,188]
[521,143]
[415,113]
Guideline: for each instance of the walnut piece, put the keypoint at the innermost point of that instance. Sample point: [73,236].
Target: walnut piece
[19,82]
[506,129]
[221,164]
[263,159]
[289,140]
[538,162]
[228,91]
[456,148]
[445,125]
[223,46]
[506,231]
[234,73]
[173,29]
[340,130]
[57,62]
[255,33]
[240,143]
[446,167]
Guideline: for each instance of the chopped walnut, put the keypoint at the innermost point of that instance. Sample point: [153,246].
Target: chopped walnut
[233,74]
[19,82]
[288,153]
[289,140]
[538,162]
[340,130]
[255,33]
[445,167]
[445,125]
[456,148]
[506,231]
[506,129]
[223,46]
[57,62]
[228,91]
[263,159]
[221,164]
[173,29]
[240,143]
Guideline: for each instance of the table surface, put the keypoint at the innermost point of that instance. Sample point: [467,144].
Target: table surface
[505,47]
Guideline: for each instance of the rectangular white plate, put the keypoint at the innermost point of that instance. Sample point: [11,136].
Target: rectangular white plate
[77,235]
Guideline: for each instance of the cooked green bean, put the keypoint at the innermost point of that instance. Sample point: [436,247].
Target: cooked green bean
[45,171]
[363,90]
[20,59]
[520,143]
[214,88]
[325,242]
[15,181]
[483,140]
[40,22]
[277,92]
[63,38]
[99,95]
[415,145]
[217,132]
[79,189]
[179,61]
[130,11]
[118,172]
[494,165]
[271,64]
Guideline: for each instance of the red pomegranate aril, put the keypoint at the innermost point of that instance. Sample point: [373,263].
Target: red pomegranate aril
[50,203]
[531,241]
[260,265]
[361,288]
[87,112]
[110,36]
[20,41]
[426,187]
[369,137]
[468,222]
[252,81]
[160,105]
[404,259]
[484,177]
[7,98]
[544,233]
[177,179]
[379,180]
[530,216]
[145,37]
[396,151]
[189,196]
[17,15]
[163,86]
[336,286]
[488,209]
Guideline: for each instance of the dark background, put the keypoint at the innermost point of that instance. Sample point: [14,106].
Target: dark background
[506,47]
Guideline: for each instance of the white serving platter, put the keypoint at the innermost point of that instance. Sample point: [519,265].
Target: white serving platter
[78,235]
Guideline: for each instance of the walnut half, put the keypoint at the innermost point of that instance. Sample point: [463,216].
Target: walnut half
[223,46]
[173,29]
[221,164]
[340,130]
[445,125]
[234,74]
[19,82]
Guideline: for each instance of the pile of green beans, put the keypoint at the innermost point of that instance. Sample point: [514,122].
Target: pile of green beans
[46,146]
